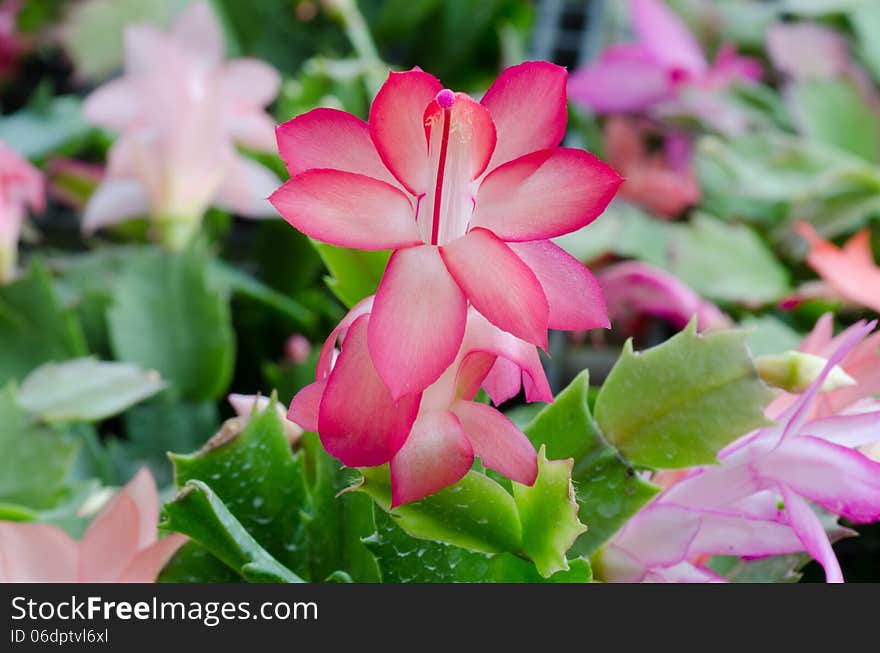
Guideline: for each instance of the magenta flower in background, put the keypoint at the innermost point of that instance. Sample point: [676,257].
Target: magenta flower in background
[21,188]
[180,110]
[755,503]
[468,195]
[634,289]
[11,42]
[430,439]
[664,72]
[120,545]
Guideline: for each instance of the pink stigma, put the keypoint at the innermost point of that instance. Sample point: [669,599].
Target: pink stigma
[446,98]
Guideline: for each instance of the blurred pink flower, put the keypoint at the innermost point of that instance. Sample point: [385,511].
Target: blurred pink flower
[297,348]
[664,71]
[11,42]
[244,406]
[430,439]
[120,545]
[805,50]
[754,503]
[21,188]
[467,194]
[849,272]
[663,181]
[634,289]
[181,109]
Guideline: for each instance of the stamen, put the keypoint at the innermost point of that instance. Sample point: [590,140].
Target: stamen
[446,98]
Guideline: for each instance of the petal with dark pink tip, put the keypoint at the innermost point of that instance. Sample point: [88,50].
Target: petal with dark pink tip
[358,421]
[527,103]
[417,322]
[575,297]
[304,408]
[544,194]
[496,440]
[436,454]
[397,126]
[499,285]
[347,209]
[330,138]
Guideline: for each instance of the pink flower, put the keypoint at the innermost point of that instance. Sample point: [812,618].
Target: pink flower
[181,109]
[244,405]
[664,70]
[431,438]
[807,50]
[634,289]
[754,504]
[862,363]
[297,348]
[662,181]
[120,544]
[849,272]
[11,42]
[21,188]
[467,194]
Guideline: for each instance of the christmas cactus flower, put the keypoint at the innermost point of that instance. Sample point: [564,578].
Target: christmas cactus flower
[430,439]
[180,110]
[849,272]
[662,181]
[467,194]
[245,405]
[755,503]
[21,188]
[634,289]
[807,50]
[664,71]
[120,544]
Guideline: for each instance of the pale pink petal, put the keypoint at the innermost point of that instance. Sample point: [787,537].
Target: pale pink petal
[662,32]
[544,194]
[811,532]
[840,479]
[626,78]
[576,300]
[417,322]
[254,130]
[114,105]
[142,489]
[305,406]
[111,541]
[250,82]
[36,553]
[397,126]
[146,565]
[471,130]
[496,440]
[472,371]
[343,208]
[145,48]
[851,431]
[499,285]
[370,430]
[807,51]
[683,572]
[115,200]
[527,103]
[329,138]
[483,336]
[199,30]
[246,189]
[820,336]
[436,454]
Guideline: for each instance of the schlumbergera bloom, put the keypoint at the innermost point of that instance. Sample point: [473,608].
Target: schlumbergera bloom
[431,438]
[634,289]
[21,188]
[181,109]
[756,502]
[664,72]
[467,194]
[849,273]
[120,544]
[663,180]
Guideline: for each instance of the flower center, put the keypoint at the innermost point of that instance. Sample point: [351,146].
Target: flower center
[445,99]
